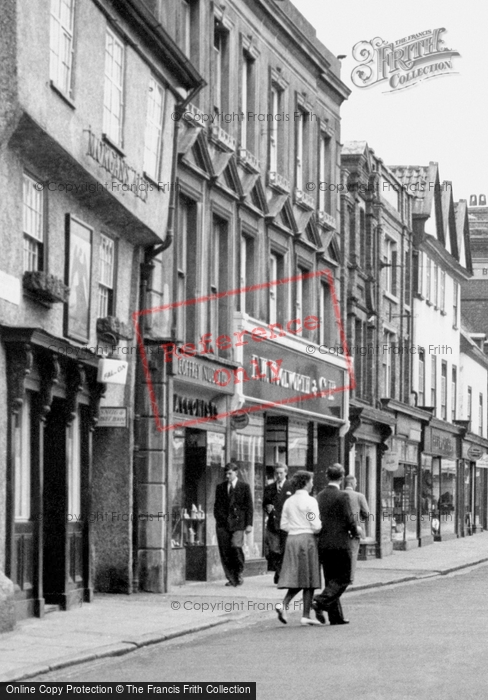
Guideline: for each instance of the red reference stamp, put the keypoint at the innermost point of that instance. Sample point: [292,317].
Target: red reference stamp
[274,361]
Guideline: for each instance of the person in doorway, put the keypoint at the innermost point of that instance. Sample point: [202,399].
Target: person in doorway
[300,570]
[359,504]
[338,547]
[233,511]
[275,495]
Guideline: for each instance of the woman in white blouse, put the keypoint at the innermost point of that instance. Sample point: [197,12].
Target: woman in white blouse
[300,570]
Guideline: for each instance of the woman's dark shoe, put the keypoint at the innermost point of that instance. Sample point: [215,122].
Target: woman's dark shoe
[281,613]
[319,613]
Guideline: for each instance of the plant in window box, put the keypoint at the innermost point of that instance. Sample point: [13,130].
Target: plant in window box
[46,287]
[112,326]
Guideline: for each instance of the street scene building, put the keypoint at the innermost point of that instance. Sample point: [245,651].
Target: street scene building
[196,271]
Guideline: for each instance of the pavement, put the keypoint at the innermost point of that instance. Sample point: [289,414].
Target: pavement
[114,625]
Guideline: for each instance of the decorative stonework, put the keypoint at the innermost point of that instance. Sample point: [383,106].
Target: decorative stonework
[278,182]
[20,364]
[111,326]
[45,287]
[326,220]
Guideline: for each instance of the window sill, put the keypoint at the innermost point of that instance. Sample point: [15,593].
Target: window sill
[429,303]
[152,181]
[116,148]
[443,313]
[62,95]
[456,328]
[391,296]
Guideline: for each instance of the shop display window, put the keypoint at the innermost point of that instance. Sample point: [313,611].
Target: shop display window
[247,450]
[427,511]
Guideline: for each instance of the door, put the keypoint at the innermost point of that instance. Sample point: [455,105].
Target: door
[195,497]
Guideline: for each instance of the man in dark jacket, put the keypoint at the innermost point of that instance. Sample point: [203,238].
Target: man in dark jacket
[233,511]
[338,546]
[274,497]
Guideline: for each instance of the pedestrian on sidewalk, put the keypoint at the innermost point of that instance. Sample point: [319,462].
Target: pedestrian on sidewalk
[338,546]
[300,569]
[275,495]
[233,512]
[359,504]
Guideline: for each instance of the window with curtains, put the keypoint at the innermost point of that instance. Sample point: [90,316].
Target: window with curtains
[444,390]
[106,284]
[433,381]
[421,377]
[61,44]
[453,393]
[113,102]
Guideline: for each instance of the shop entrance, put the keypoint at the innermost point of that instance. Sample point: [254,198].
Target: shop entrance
[64,551]
[195,497]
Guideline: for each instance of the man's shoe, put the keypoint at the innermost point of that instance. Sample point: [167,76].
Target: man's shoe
[340,622]
[319,613]
[308,622]
[240,581]
[276,577]
[230,583]
[281,613]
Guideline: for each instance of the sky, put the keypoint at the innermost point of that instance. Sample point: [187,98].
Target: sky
[442,119]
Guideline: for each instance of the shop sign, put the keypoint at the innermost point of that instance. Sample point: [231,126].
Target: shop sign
[239,422]
[390,461]
[441,444]
[475,452]
[202,372]
[111,417]
[194,407]
[282,375]
[112,371]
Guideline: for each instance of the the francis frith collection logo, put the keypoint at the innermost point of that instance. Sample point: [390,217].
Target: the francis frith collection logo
[402,63]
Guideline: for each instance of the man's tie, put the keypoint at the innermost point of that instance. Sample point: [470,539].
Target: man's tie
[278,486]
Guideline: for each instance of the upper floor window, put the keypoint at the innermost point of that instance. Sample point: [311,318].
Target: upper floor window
[33,224]
[187,269]
[106,285]
[247,274]
[455,305]
[221,69]
[407,278]
[453,393]
[421,377]
[302,300]
[480,416]
[390,265]
[114,88]
[428,276]
[470,403]
[444,390]
[442,302]
[247,101]
[388,368]
[276,292]
[327,319]
[219,282]
[436,285]
[275,145]
[433,381]
[302,140]
[154,129]
[324,173]
[186,26]
[61,40]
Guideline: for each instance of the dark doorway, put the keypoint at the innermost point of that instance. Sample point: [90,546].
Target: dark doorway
[195,504]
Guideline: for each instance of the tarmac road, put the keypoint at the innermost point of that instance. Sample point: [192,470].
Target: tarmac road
[423,640]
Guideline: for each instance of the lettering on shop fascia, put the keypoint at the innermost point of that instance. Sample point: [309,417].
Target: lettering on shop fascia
[442,445]
[192,369]
[114,164]
[194,407]
[272,372]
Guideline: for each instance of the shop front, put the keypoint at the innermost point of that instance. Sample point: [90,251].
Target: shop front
[473,485]
[53,402]
[366,456]
[440,494]
[286,420]
[198,443]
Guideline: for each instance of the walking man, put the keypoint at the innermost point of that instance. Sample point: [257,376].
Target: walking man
[359,504]
[338,546]
[233,511]
[275,495]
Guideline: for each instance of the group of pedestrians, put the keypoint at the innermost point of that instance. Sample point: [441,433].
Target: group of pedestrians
[303,534]
[320,532]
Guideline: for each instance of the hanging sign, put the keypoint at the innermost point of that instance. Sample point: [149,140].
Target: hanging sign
[112,371]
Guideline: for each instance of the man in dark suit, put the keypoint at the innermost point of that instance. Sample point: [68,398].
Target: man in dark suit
[275,495]
[233,511]
[338,546]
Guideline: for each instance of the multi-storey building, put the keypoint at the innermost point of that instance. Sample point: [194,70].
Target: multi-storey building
[87,90]
[474,292]
[251,217]
[385,426]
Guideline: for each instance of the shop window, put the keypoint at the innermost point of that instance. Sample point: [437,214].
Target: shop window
[405,503]
[154,130]
[61,44]
[33,224]
[22,440]
[247,451]
[107,276]
[113,102]
[444,390]
[297,444]
[426,497]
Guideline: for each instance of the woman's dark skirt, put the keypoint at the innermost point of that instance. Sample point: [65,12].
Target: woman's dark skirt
[300,567]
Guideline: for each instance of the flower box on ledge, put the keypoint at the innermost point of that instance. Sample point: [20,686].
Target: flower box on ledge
[112,326]
[46,288]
